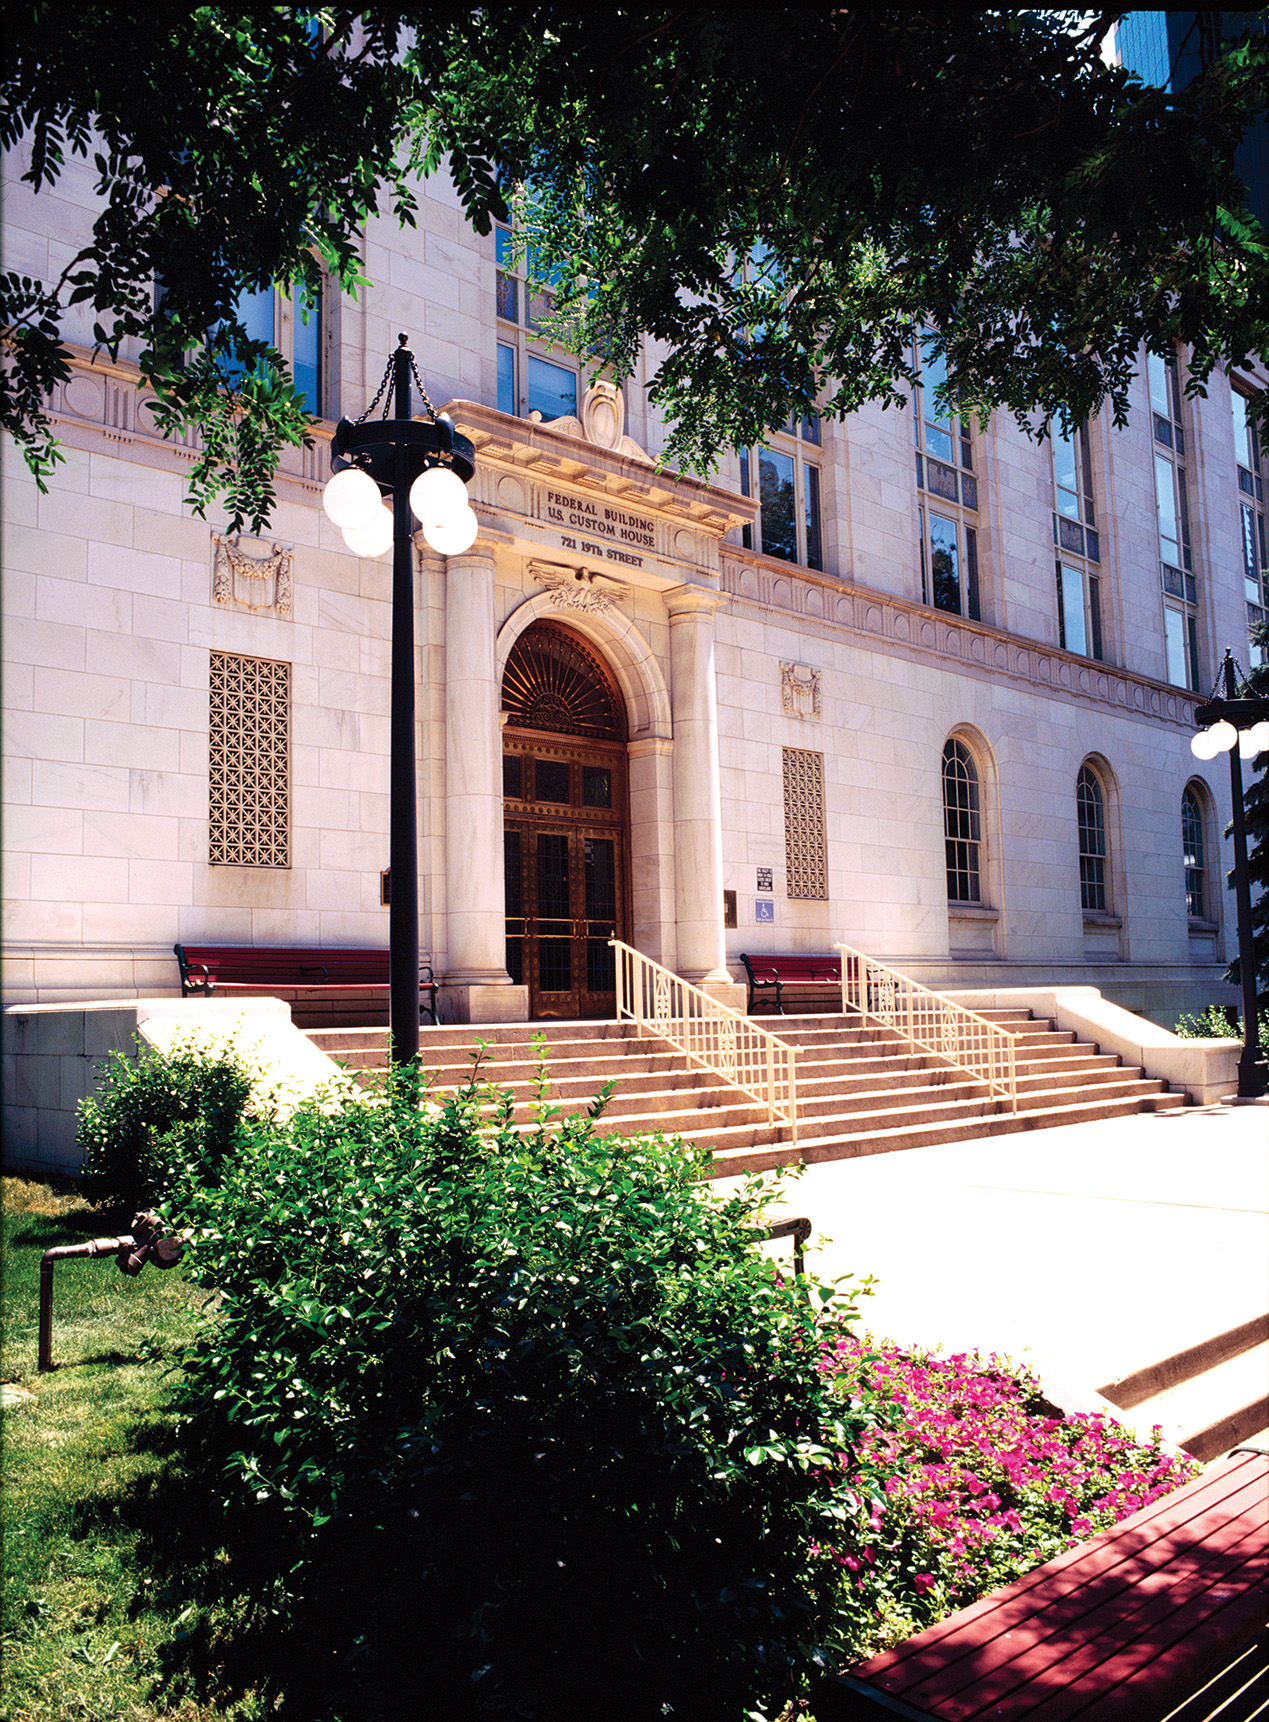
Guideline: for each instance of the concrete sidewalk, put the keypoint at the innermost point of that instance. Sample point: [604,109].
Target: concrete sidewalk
[1089,1251]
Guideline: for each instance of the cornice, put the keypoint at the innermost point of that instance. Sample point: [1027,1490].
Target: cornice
[923,635]
[102,402]
[516,445]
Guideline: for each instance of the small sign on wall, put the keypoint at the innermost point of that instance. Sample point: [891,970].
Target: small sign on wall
[763,911]
[765,880]
[729,908]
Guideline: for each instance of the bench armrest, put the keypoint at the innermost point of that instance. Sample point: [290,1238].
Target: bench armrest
[188,982]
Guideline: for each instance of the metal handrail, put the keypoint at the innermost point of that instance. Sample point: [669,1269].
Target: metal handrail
[710,1034]
[930,1021]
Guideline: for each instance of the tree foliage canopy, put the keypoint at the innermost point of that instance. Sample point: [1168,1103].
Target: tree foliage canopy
[774,196]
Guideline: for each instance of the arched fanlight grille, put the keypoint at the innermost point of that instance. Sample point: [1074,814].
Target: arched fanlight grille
[553,682]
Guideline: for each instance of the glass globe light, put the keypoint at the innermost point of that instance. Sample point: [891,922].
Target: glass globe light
[373,537]
[1224,735]
[455,536]
[1203,745]
[351,498]
[437,496]
[1254,740]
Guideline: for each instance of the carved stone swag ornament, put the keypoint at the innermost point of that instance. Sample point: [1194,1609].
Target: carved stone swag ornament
[247,571]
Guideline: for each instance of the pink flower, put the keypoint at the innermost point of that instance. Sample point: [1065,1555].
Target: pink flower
[922,1582]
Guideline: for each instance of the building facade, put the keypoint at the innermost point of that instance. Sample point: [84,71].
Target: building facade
[922,686]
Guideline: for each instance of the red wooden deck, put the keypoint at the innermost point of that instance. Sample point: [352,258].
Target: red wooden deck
[1121,1629]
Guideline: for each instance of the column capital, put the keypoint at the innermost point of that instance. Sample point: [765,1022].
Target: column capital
[694,600]
[650,744]
[479,558]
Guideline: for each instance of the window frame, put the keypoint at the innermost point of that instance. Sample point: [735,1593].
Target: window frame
[963,850]
[1171,492]
[1094,857]
[947,480]
[516,352]
[789,444]
[1251,521]
[1194,823]
[1077,562]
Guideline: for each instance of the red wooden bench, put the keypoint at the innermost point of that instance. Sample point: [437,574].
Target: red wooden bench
[774,973]
[1164,1610]
[339,987]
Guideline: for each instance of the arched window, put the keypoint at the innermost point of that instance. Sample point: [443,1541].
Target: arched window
[1090,805]
[962,824]
[1192,848]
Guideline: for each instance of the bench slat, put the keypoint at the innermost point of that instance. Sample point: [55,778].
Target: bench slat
[312,972]
[1093,1587]
[1226,1494]
[1132,1620]
[1113,1642]
[796,969]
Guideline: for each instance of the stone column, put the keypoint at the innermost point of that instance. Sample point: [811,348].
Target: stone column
[698,847]
[477,987]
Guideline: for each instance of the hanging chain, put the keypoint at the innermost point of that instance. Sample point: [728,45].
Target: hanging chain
[383,386]
[387,378]
[418,383]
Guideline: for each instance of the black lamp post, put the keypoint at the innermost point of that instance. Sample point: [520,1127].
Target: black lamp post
[1222,719]
[417,467]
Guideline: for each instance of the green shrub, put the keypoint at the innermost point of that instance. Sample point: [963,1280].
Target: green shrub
[537,1430]
[128,1130]
[1219,1023]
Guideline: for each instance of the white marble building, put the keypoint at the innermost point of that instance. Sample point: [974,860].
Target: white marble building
[943,715]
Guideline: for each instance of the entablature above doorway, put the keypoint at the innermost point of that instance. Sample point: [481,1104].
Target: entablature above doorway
[573,503]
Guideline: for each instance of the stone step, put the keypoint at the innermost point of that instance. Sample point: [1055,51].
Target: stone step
[1001,1122]
[1214,1410]
[1128,1391]
[566,1060]
[862,1088]
[730,1122]
[646,1075]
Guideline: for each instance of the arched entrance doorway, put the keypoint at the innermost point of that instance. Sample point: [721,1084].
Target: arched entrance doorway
[565,822]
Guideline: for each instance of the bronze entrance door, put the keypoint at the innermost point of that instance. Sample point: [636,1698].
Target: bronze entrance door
[565,822]
[565,851]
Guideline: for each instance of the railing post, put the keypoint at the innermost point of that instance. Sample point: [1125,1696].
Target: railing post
[696,1026]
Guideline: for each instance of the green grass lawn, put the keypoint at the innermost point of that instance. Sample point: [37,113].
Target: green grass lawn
[92,1474]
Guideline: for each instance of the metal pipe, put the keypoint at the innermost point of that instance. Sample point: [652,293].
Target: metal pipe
[146,1242]
[60,1253]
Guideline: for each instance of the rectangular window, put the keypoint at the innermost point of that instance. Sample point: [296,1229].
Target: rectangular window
[1079,610]
[789,490]
[945,563]
[249,756]
[292,325]
[552,390]
[1176,564]
[1250,504]
[1176,634]
[1169,516]
[506,378]
[805,848]
[306,349]
[1072,634]
[527,381]
[944,470]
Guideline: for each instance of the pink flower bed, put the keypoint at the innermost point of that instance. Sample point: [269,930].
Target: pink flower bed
[967,1481]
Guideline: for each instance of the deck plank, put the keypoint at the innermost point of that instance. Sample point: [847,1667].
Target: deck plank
[1107,1630]
[1015,1602]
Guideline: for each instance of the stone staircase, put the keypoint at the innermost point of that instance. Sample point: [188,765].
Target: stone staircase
[861,1089]
[1190,1394]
